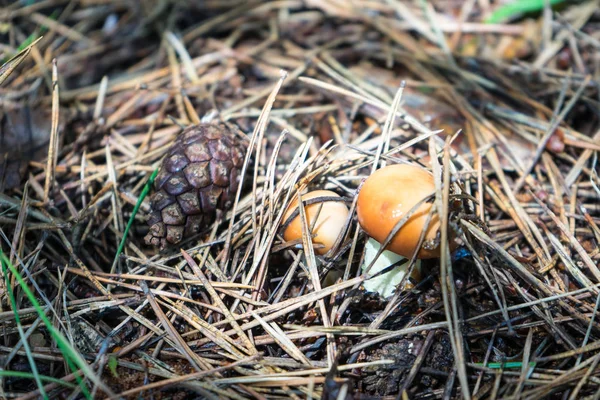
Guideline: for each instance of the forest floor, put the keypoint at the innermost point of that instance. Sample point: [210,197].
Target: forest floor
[498,99]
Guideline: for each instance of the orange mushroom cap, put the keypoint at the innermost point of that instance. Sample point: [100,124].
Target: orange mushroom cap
[387,196]
[329,223]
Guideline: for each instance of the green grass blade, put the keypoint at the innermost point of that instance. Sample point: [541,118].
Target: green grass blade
[30,358]
[35,35]
[73,359]
[518,7]
[511,364]
[143,195]
[28,375]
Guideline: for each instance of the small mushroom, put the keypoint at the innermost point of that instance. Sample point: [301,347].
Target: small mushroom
[387,196]
[330,221]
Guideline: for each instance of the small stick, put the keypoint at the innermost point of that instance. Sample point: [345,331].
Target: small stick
[52,151]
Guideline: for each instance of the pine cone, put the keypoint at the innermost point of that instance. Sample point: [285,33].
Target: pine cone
[199,175]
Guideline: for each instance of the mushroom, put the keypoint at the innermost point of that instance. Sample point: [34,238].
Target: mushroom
[386,197]
[330,221]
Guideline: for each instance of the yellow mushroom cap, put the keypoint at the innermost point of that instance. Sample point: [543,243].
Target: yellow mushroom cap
[387,196]
[329,223]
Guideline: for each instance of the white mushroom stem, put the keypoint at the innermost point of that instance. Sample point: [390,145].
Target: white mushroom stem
[384,284]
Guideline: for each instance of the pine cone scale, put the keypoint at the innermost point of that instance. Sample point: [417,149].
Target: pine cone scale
[177,184]
[189,203]
[173,215]
[198,174]
[174,233]
[210,198]
[160,200]
[176,163]
[219,150]
[197,152]
[219,172]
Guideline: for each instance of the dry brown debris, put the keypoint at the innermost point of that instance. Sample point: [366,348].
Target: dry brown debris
[239,313]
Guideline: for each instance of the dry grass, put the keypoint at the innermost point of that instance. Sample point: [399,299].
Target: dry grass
[505,115]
